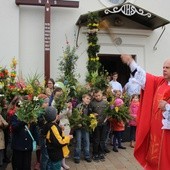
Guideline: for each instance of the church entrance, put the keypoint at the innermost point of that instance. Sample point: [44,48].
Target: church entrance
[112,63]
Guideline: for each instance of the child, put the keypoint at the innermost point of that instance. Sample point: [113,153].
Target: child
[106,150]
[117,126]
[64,113]
[22,144]
[98,106]
[82,135]
[56,142]
[41,152]
[133,109]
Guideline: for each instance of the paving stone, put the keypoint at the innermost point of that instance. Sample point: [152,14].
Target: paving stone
[122,160]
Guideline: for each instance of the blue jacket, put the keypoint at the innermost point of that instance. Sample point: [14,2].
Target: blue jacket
[21,140]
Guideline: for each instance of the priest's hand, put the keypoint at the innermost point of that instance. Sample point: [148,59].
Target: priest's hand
[126,58]
[162,104]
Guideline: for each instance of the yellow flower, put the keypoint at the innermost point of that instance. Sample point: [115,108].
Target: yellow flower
[92,116]
[97,58]
[117,109]
[14,61]
[95,25]
[90,44]
[1,85]
[93,123]
[30,89]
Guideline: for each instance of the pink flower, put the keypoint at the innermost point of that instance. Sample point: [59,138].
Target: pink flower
[118,102]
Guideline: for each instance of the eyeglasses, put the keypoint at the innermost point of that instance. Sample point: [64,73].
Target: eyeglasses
[50,83]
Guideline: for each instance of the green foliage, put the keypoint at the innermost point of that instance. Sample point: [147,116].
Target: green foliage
[93,47]
[34,85]
[126,99]
[97,79]
[79,120]
[61,100]
[93,65]
[119,113]
[67,67]
[80,90]
[29,109]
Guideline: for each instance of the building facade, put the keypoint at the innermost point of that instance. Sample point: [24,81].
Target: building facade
[22,36]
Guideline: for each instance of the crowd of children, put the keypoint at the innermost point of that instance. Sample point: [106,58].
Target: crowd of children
[52,131]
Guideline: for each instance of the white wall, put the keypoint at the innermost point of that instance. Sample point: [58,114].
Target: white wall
[31,40]
[9,32]
[155,58]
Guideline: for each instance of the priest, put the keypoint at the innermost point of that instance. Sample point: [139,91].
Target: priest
[152,149]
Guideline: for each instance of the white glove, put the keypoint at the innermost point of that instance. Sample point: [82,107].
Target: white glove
[166,120]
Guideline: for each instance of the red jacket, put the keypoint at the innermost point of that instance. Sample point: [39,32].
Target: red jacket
[116,126]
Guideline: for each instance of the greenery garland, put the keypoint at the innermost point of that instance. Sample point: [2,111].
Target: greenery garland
[93,47]
[97,76]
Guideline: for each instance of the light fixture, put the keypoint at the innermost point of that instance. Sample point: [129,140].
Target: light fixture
[118,22]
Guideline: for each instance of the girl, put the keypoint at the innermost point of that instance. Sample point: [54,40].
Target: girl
[49,87]
[133,109]
[117,126]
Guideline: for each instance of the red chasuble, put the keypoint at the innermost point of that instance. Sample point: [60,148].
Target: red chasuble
[152,148]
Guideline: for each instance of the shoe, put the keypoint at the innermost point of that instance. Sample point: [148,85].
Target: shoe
[106,150]
[77,161]
[115,149]
[121,147]
[96,158]
[66,167]
[101,157]
[37,166]
[6,160]
[88,159]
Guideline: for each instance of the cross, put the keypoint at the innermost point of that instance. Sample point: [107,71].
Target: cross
[47,26]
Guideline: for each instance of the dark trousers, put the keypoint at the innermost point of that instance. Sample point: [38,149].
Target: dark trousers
[99,137]
[21,160]
[108,131]
[117,138]
[132,133]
